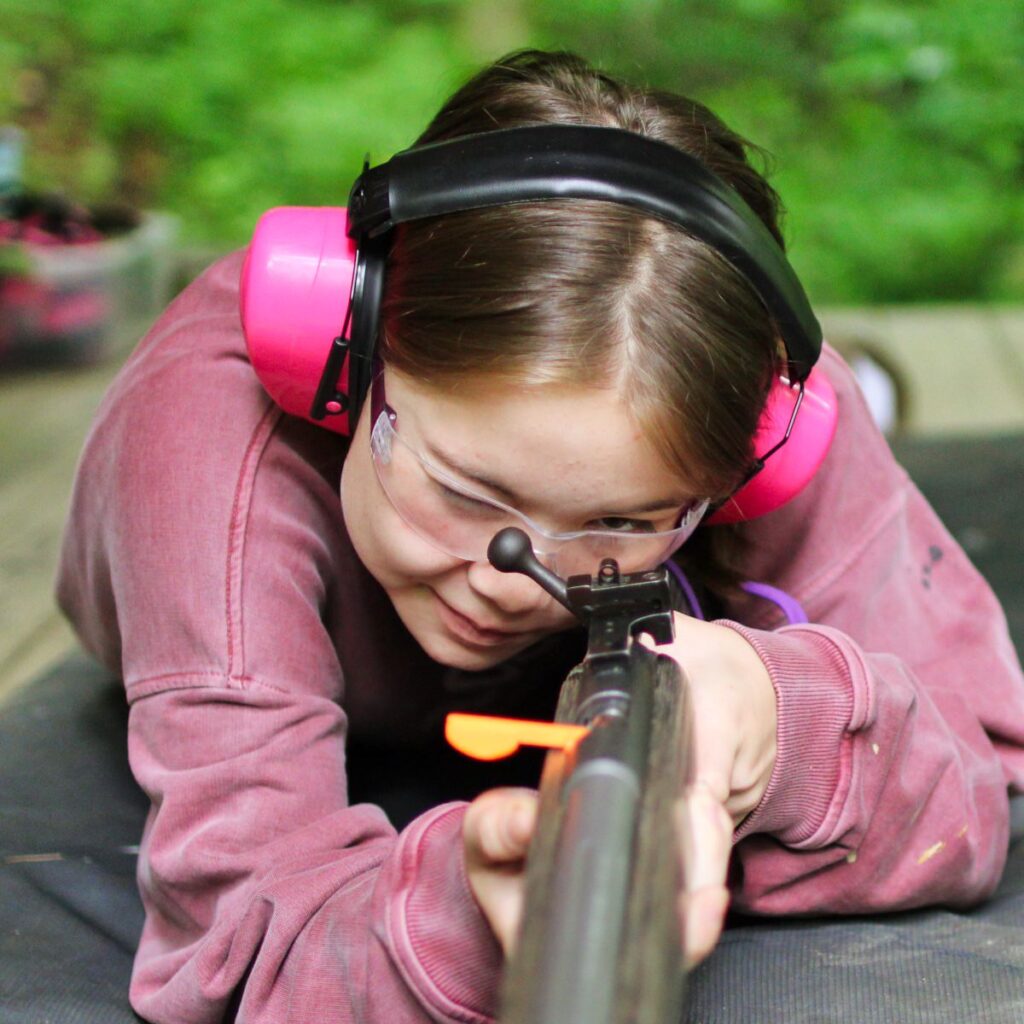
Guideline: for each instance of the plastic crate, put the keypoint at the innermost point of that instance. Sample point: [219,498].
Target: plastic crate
[80,303]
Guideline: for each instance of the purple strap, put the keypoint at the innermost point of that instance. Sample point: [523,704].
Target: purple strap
[687,589]
[788,605]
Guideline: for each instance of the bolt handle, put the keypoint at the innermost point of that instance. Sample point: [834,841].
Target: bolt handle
[510,550]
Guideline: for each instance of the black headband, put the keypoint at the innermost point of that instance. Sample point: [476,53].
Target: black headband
[520,165]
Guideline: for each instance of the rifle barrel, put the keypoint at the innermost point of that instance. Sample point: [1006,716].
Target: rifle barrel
[593,930]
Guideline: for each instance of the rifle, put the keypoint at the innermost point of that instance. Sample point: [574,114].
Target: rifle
[600,939]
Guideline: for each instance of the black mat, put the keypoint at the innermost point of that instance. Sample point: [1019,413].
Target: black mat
[70,816]
[977,486]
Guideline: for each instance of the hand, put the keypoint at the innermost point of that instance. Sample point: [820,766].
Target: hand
[734,722]
[734,712]
[734,735]
[499,825]
[496,833]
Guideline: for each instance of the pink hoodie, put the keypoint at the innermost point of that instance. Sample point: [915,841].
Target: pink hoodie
[207,561]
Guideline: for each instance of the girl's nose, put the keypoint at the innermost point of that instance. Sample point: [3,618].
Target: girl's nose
[510,592]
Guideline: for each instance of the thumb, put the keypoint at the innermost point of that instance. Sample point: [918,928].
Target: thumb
[648,641]
[499,826]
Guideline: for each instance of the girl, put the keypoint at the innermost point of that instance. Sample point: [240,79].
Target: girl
[286,653]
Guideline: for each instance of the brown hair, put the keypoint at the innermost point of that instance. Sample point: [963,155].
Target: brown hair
[594,293]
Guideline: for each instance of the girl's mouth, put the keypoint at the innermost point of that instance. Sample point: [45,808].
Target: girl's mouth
[468,631]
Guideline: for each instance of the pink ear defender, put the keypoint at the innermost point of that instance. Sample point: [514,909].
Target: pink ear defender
[295,290]
[788,469]
[313,277]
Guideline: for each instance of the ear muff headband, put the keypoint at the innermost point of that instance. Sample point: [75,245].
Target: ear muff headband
[520,165]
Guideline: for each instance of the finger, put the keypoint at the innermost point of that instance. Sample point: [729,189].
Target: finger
[707,845]
[715,736]
[504,911]
[704,914]
[497,830]
[714,744]
[707,839]
[499,825]
[521,822]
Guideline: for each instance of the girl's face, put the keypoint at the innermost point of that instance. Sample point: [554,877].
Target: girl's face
[569,457]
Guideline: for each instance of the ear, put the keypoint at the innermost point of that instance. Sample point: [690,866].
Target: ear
[295,288]
[790,469]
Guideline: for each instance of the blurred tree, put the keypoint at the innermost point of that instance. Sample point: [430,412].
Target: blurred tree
[898,127]
[221,110]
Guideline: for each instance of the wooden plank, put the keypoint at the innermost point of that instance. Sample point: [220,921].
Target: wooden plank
[44,417]
[963,365]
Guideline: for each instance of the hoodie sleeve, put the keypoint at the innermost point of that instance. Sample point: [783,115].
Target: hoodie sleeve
[201,561]
[265,892]
[901,704]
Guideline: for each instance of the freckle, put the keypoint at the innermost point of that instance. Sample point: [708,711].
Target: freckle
[962,832]
[851,857]
[930,852]
[874,748]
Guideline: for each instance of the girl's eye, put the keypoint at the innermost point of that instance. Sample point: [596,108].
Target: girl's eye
[616,524]
[464,503]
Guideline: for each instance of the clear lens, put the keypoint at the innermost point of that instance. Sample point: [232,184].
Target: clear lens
[461,523]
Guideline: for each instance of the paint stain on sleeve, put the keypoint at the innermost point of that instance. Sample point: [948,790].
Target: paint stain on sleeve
[934,557]
[930,852]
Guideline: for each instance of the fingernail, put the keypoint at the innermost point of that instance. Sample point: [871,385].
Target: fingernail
[520,823]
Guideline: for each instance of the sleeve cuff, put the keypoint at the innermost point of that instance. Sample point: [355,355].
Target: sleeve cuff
[444,944]
[815,703]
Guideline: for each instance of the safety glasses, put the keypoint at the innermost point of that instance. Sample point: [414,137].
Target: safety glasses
[461,522]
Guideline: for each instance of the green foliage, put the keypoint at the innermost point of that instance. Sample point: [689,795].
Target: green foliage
[220,110]
[897,128]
